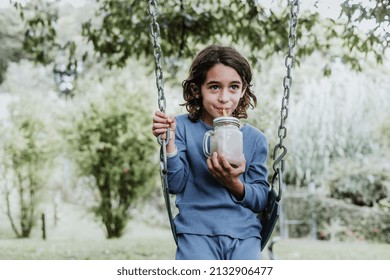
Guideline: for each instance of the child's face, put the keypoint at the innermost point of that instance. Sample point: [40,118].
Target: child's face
[222,89]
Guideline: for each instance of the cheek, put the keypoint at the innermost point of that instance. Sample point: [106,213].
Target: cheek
[242,93]
[238,98]
[206,102]
[209,98]
[241,96]
[237,101]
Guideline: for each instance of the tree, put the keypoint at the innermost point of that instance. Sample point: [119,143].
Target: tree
[185,25]
[42,45]
[11,38]
[112,146]
[120,30]
[25,152]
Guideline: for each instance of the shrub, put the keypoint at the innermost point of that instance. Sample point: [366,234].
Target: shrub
[361,182]
[113,146]
[358,223]
[336,219]
[26,149]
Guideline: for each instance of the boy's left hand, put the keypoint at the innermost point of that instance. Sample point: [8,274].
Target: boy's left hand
[227,175]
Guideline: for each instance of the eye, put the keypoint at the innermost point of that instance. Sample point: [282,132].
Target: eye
[214,87]
[235,87]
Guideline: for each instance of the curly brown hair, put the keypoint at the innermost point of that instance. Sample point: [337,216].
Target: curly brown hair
[202,63]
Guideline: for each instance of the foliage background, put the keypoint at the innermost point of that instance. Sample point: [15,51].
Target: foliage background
[338,133]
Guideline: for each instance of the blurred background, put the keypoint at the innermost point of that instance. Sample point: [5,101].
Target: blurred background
[79,166]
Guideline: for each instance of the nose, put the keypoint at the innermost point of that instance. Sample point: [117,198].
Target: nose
[224,96]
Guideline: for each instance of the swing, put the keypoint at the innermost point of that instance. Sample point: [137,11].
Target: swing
[270,214]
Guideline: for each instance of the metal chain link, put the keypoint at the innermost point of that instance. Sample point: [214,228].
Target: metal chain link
[154,29]
[280,150]
[155,32]
[162,103]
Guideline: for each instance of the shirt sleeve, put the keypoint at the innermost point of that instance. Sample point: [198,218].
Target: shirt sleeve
[178,168]
[255,178]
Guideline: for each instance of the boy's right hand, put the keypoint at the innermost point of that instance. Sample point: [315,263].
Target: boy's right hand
[162,122]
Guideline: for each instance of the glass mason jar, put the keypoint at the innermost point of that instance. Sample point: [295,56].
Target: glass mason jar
[226,139]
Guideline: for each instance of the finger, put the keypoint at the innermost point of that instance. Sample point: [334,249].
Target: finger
[212,163]
[159,128]
[209,164]
[215,160]
[172,122]
[214,171]
[160,114]
[158,132]
[170,119]
[224,163]
[160,119]
[218,170]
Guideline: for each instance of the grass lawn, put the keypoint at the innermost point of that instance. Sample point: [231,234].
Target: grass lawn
[162,247]
[120,249]
[306,249]
[77,236]
[157,244]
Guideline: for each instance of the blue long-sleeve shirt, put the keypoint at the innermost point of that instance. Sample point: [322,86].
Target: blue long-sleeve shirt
[205,206]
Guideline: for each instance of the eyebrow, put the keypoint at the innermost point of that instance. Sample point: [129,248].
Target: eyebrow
[218,82]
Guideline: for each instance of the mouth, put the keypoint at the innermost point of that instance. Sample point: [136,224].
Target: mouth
[223,111]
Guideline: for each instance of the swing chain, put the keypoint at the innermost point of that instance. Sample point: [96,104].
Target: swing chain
[155,32]
[157,52]
[280,150]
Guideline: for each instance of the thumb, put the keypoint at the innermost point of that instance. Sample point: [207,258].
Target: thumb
[172,122]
